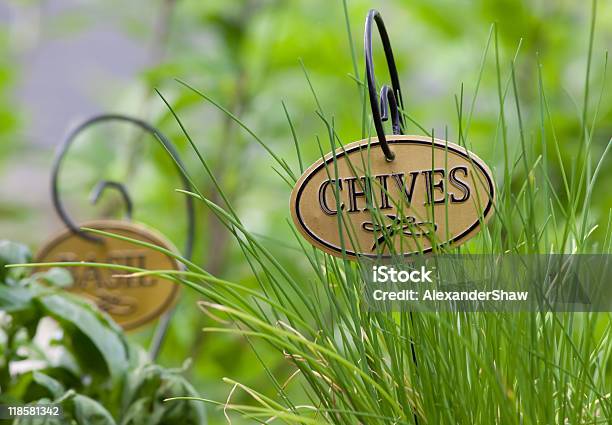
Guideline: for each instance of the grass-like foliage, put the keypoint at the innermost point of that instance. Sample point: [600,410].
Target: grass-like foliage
[358,367]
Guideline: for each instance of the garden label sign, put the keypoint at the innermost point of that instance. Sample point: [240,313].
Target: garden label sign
[131,302]
[432,193]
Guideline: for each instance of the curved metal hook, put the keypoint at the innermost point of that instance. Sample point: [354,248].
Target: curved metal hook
[99,189]
[389,103]
[168,146]
[386,93]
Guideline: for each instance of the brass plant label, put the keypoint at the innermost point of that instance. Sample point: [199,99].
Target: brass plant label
[131,302]
[433,194]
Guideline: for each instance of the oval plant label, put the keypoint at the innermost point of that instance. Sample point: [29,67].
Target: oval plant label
[131,302]
[433,194]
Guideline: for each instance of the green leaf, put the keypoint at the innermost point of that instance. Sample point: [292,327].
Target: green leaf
[86,411]
[96,332]
[12,253]
[17,301]
[33,420]
[56,276]
[147,388]
[15,298]
[77,409]
[55,388]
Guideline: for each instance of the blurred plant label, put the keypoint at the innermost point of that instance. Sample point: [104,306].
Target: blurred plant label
[356,202]
[132,302]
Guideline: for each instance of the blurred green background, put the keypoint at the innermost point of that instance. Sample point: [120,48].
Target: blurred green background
[65,60]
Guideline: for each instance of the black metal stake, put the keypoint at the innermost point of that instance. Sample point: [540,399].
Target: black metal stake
[390,98]
[162,328]
[390,103]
